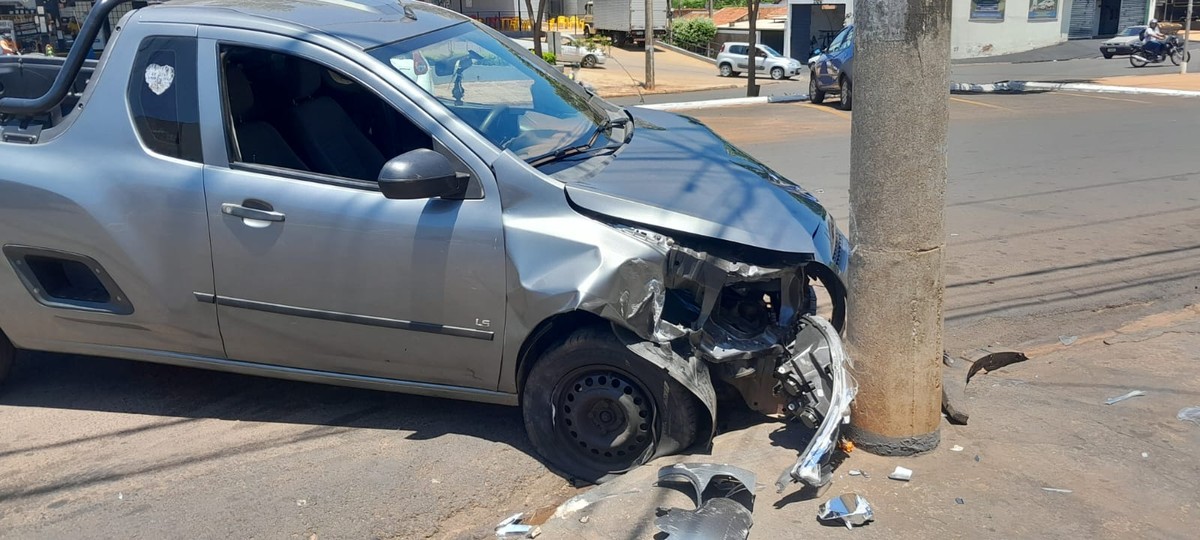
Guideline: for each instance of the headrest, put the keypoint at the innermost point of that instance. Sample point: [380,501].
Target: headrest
[241,96]
[303,78]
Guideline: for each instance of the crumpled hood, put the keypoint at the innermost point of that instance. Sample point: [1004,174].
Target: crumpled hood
[677,175]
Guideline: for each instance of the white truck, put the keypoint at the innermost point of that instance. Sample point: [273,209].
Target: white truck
[624,20]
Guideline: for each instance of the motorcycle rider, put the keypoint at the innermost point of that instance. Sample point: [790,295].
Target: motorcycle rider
[1152,40]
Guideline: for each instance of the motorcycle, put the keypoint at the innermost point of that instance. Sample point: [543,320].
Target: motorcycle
[1172,48]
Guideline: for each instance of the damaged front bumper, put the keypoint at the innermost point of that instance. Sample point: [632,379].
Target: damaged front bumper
[707,317]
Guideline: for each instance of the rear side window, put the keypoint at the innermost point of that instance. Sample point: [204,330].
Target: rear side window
[163,97]
[738,49]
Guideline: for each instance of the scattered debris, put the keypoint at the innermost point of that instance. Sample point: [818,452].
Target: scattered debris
[976,458]
[717,519]
[435,481]
[732,480]
[990,359]
[953,388]
[1123,397]
[855,472]
[959,500]
[1190,414]
[512,527]
[1057,490]
[585,519]
[1145,455]
[846,445]
[536,532]
[120,496]
[301,502]
[1068,340]
[956,448]
[851,508]
[901,473]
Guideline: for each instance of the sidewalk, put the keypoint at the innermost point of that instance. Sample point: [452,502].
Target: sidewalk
[625,70]
[1129,468]
[1173,81]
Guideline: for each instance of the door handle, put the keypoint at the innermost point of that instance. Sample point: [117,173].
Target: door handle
[245,212]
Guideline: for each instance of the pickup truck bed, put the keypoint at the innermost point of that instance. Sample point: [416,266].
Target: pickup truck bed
[31,76]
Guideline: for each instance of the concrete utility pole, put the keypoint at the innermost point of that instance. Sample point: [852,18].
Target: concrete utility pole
[649,34]
[1187,36]
[710,10]
[897,213]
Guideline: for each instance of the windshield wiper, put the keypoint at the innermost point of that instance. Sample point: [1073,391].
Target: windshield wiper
[562,153]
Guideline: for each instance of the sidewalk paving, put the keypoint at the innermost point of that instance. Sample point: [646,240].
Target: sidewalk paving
[1173,81]
[1129,467]
[625,70]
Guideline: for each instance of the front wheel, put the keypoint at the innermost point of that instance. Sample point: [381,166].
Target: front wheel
[846,95]
[1136,59]
[815,94]
[594,410]
[777,73]
[1108,56]
[1177,57]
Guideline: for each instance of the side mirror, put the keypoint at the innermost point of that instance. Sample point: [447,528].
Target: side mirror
[421,174]
[817,52]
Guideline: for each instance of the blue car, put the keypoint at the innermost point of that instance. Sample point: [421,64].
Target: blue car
[830,70]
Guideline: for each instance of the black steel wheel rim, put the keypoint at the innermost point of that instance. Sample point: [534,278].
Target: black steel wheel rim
[604,416]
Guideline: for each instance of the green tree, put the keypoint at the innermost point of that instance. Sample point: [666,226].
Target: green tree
[695,33]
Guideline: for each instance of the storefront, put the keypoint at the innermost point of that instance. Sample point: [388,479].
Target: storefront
[1103,18]
[993,27]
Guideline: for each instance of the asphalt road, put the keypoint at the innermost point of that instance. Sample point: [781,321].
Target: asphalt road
[1060,218]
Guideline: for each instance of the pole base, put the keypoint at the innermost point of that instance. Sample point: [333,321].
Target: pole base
[882,445]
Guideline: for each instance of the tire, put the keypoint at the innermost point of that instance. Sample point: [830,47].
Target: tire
[7,353]
[1177,57]
[594,410]
[846,94]
[1135,61]
[589,61]
[1108,56]
[726,70]
[777,73]
[815,94]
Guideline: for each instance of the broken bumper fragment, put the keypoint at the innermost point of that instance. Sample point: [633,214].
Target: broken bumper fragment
[817,381]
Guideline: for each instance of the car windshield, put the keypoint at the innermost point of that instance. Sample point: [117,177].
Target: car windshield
[506,94]
[1133,31]
[770,51]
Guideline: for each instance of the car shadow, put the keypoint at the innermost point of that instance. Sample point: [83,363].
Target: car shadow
[120,386]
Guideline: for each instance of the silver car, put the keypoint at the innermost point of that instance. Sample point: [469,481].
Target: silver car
[389,195]
[733,59]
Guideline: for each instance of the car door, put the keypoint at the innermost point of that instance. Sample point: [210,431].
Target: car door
[740,56]
[321,272]
[840,61]
[760,59]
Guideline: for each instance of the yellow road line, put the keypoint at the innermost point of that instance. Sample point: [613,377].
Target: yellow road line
[1101,97]
[980,103]
[827,109]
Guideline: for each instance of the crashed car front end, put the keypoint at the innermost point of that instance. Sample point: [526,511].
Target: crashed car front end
[753,326]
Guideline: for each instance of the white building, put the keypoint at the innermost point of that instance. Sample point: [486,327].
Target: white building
[981,27]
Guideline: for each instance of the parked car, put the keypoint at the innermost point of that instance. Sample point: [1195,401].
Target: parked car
[732,60]
[392,196]
[832,70]
[1123,43]
[571,52]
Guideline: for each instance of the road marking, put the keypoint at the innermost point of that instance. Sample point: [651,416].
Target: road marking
[981,104]
[1101,97]
[830,110]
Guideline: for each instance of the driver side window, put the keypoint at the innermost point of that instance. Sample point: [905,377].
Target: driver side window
[289,112]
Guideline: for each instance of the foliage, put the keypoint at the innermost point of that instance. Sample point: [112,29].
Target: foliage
[701,4]
[695,33]
[549,57]
[597,42]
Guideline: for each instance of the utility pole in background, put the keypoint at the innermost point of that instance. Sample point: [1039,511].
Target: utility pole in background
[649,34]
[897,222]
[710,5]
[752,53]
[1187,36]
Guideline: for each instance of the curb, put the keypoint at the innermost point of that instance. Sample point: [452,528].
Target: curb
[1028,87]
[731,102]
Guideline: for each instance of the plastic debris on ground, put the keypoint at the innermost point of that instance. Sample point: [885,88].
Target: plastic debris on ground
[512,527]
[725,516]
[851,508]
[1068,340]
[959,500]
[901,473]
[1123,397]
[1190,414]
[956,448]
[1057,490]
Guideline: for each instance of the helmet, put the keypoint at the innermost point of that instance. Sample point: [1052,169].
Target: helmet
[1153,21]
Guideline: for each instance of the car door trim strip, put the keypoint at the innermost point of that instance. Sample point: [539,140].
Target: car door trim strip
[337,316]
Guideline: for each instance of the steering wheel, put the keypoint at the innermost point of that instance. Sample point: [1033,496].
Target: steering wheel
[491,118]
